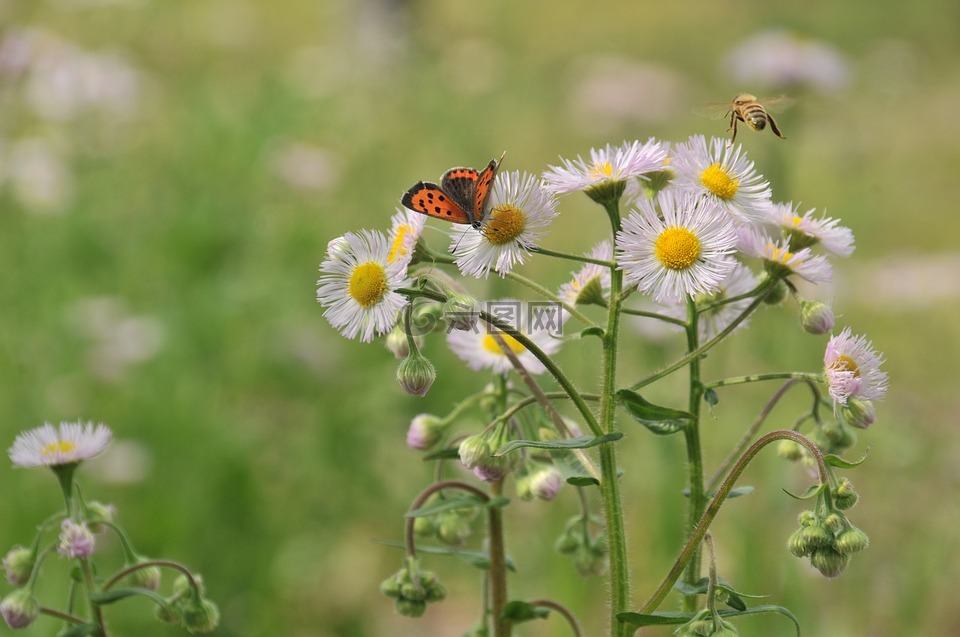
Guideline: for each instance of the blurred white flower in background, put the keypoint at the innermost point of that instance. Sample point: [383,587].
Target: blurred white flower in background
[610,93]
[117,339]
[783,60]
[39,175]
[124,462]
[304,166]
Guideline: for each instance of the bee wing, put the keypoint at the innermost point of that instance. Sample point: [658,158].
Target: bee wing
[717,110]
[778,103]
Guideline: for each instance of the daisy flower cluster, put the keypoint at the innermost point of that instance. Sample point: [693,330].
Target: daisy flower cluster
[696,243]
[63,449]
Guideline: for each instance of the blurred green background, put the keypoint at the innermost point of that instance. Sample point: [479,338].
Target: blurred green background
[170,174]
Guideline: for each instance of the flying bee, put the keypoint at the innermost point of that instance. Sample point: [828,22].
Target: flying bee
[750,110]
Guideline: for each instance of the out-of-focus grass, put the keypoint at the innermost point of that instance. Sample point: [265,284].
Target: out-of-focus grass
[275,447]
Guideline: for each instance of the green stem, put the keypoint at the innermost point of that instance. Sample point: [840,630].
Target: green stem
[562,610]
[714,507]
[119,575]
[697,498]
[529,400]
[94,607]
[609,485]
[67,617]
[498,566]
[740,380]
[654,315]
[571,257]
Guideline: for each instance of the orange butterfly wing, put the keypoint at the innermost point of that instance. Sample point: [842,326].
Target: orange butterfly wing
[427,198]
[484,181]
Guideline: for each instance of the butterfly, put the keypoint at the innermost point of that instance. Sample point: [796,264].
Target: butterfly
[461,196]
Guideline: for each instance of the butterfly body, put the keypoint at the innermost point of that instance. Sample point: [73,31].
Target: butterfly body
[460,198]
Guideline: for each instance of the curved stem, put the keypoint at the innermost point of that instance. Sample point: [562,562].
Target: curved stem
[714,507]
[148,563]
[542,291]
[740,380]
[67,617]
[571,257]
[529,400]
[426,493]
[562,610]
[707,307]
[700,351]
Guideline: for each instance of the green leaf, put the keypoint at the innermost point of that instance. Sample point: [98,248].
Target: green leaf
[837,461]
[669,618]
[518,611]
[735,492]
[80,630]
[813,491]
[662,421]
[583,481]
[734,600]
[580,442]
[114,595]
[458,502]
[710,397]
[592,331]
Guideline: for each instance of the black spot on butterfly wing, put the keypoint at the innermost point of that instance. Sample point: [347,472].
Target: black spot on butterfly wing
[460,184]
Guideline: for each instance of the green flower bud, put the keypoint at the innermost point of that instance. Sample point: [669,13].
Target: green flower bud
[425,431]
[546,482]
[19,608]
[473,450]
[461,312]
[699,628]
[424,527]
[523,488]
[98,513]
[411,608]
[815,536]
[147,577]
[858,413]
[607,192]
[797,545]
[200,616]
[454,530]
[436,592]
[182,588]
[396,341]
[852,540]
[779,291]
[816,317]
[416,374]
[844,496]
[829,561]
[790,450]
[842,436]
[806,518]
[413,591]
[588,563]
[168,614]
[567,543]
[391,586]
[656,181]
[18,564]
[835,523]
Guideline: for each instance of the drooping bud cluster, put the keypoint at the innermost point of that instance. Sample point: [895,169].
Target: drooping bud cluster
[476,453]
[588,553]
[453,527]
[413,589]
[189,607]
[828,541]
[707,624]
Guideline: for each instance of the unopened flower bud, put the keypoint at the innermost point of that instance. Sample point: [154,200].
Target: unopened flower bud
[461,312]
[546,482]
[425,431]
[815,536]
[396,341]
[567,543]
[852,540]
[168,614]
[835,522]
[416,374]
[797,545]
[411,608]
[806,518]
[858,413]
[473,450]
[76,540]
[200,616]
[493,468]
[840,436]
[19,608]
[790,450]
[147,577]
[588,563]
[391,586]
[18,564]
[424,527]
[816,317]
[829,561]
[182,587]
[779,291]
[100,513]
[844,496]
[454,530]
[699,628]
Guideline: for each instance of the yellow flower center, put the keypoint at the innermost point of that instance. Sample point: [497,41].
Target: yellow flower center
[490,344]
[797,221]
[59,447]
[506,223]
[780,255]
[368,283]
[397,250]
[717,180]
[845,364]
[602,171]
[677,248]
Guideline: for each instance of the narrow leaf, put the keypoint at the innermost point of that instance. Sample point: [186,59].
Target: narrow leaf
[660,420]
[837,461]
[735,601]
[518,611]
[80,630]
[447,453]
[654,619]
[458,502]
[736,492]
[592,331]
[580,442]
[474,558]
[813,491]
[583,481]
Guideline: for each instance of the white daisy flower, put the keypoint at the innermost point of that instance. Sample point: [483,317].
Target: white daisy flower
[69,443]
[779,260]
[723,174]
[806,231]
[678,250]
[520,211]
[609,164]
[405,229]
[357,283]
[480,350]
[740,281]
[592,282]
[852,368]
